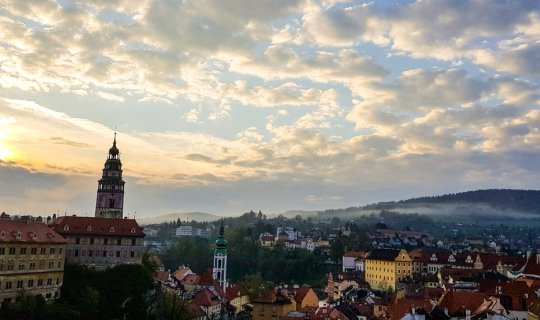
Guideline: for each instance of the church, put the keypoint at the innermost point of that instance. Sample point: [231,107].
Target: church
[108,239]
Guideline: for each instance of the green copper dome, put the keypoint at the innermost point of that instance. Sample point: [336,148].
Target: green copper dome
[221,243]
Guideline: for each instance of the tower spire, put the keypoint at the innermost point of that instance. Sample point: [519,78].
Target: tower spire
[110,193]
[220,259]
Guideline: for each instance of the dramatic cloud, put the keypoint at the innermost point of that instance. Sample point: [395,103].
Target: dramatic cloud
[225,106]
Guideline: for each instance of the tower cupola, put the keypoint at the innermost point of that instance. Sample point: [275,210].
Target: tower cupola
[110,193]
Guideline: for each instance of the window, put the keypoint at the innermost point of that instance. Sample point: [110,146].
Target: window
[42,251]
[23,250]
[10,266]
[32,266]
[33,251]
[90,253]
[30,283]
[133,242]
[52,251]
[1,265]
[76,254]
[111,203]
[40,282]
[119,242]
[91,240]
[49,281]
[42,264]
[8,285]
[104,253]
[59,264]
[57,281]
[21,266]
[19,284]
[51,264]
[118,254]
[105,241]
[2,251]
[11,251]
[59,250]
[133,254]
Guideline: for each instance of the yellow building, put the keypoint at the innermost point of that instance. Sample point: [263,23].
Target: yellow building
[385,268]
[273,306]
[31,260]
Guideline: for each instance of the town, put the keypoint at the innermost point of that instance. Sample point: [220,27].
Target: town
[378,266]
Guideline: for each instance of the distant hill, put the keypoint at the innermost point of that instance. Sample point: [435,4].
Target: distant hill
[518,203]
[184,216]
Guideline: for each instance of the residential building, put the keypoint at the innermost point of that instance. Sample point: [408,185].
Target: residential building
[101,242]
[31,260]
[184,231]
[354,261]
[385,268]
[238,298]
[272,306]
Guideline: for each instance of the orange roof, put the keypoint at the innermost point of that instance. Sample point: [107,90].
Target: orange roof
[70,225]
[18,231]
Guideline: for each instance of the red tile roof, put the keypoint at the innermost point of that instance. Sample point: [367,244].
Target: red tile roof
[234,291]
[206,298]
[301,293]
[356,254]
[161,276]
[70,225]
[459,301]
[399,309]
[16,231]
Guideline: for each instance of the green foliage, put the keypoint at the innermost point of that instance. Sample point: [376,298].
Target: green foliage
[112,293]
[193,251]
[28,307]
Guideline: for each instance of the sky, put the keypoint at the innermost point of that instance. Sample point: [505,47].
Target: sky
[272,105]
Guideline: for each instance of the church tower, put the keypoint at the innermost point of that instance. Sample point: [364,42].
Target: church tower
[110,193]
[220,260]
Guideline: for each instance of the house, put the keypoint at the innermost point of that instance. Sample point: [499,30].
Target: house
[305,297]
[385,268]
[237,297]
[273,305]
[354,261]
[209,302]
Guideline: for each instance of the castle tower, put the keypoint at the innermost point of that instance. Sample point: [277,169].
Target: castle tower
[220,260]
[110,193]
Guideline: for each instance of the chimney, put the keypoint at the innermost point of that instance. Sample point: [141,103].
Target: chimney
[538,258]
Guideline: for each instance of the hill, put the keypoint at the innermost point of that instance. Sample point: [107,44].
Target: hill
[498,202]
[183,216]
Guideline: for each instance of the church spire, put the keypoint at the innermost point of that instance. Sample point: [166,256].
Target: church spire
[110,193]
[220,259]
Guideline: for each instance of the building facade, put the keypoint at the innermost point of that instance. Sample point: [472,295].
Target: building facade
[385,268]
[31,260]
[110,193]
[101,242]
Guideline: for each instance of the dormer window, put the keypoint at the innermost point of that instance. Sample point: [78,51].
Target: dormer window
[66,227]
[111,229]
[89,228]
[2,234]
[469,260]
[451,259]
[18,235]
[132,230]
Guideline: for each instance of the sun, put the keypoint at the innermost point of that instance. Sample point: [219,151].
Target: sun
[5,153]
